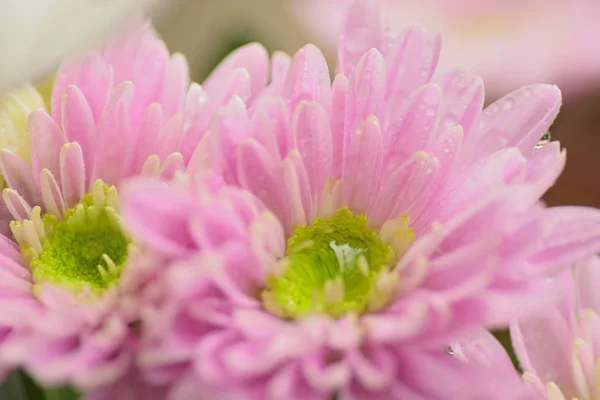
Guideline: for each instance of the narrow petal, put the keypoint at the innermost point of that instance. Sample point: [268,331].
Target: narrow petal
[17,206]
[175,86]
[271,125]
[51,194]
[143,140]
[399,191]
[72,173]
[92,76]
[338,117]
[312,136]
[170,208]
[362,165]
[366,89]
[47,139]
[411,62]
[253,58]
[573,234]
[114,127]
[361,31]
[18,176]
[260,173]
[78,122]
[518,119]
[463,100]
[280,63]
[308,79]
[414,130]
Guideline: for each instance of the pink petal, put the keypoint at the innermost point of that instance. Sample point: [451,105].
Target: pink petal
[280,63]
[271,125]
[259,172]
[463,100]
[51,194]
[308,79]
[587,279]
[366,89]
[534,335]
[362,30]
[363,159]
[414,130]
[18,207]
[312,137]
[573,234]
[519,119]
[175,86]
[72,174]
[148,75]
[196,105]
[92,76]
[18,176]
[400,190]
[298,190]
[338,117]
[545,166]
[113,128]
[171,166]
[253,58]
[158,214]
[143,141]
[46,139]
[411,62]
[78,122]
[169,137]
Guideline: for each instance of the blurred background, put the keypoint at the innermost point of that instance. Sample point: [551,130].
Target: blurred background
[509,42]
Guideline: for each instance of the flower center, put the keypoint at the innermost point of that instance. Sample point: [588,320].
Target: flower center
[87,247]
[337,265]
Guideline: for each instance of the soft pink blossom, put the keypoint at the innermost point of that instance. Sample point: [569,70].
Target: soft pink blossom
[414,156]
[116,113]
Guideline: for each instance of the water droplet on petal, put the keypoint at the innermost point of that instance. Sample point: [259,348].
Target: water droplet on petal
[508,103]
[544,140]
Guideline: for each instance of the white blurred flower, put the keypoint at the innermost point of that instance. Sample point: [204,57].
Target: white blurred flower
[35,35]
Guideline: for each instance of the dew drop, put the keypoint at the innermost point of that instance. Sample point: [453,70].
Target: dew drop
[508,103]
[544,140]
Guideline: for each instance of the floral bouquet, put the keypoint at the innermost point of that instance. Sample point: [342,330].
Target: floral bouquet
[277,234]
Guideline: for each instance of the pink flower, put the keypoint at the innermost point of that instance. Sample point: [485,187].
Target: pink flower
[559,348]
[509,43]
[217,332]
[395,216]
[69,285]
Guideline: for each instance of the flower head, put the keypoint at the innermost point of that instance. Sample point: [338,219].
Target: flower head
[72,275]
[395,215]
[558,348]
[223,328]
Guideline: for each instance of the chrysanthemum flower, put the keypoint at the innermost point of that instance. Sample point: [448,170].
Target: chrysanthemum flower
[68,287]
[559,348]
[222,333]
[509,43]
[399,217]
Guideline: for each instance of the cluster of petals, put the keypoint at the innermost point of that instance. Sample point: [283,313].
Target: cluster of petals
[115,113]
[484,34]
[385,138]
[559,348]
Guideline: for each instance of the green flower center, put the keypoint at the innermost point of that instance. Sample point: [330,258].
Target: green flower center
[337,265]
[87,247]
